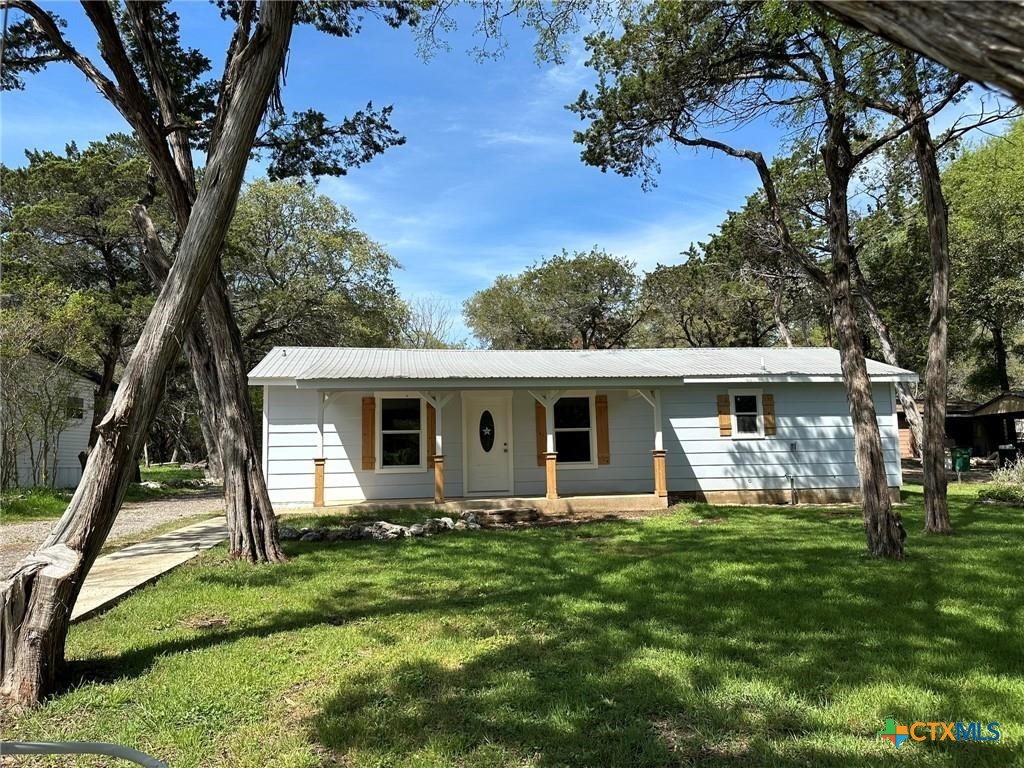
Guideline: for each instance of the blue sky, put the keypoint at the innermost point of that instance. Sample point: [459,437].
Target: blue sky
[489,180]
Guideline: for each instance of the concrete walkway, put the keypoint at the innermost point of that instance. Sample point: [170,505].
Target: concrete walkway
[115,575]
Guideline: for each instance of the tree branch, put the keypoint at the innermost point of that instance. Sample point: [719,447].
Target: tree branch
[68,52]
[815,272]
[137,109]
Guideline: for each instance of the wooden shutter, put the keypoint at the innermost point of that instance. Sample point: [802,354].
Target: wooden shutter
[540,419]
[431,432]
[369,433]
[768,411]
[724,416]
[604,454]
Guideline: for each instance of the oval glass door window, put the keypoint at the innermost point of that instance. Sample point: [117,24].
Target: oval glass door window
[486,431]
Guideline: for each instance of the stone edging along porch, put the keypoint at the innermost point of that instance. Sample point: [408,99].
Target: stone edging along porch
[561,506]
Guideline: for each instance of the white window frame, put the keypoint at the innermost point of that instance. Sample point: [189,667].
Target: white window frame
[592,464]
[79,408]
[379,433]
[756,393]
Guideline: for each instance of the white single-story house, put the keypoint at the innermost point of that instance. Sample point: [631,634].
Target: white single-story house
[558,427]
[48,420]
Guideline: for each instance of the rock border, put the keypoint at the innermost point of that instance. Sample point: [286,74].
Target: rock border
[381,530]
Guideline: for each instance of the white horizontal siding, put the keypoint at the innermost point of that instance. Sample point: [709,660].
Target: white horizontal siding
[292,445]
[71,441]
[630,438]
[814,445]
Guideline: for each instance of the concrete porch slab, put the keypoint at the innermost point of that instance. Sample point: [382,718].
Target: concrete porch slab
[564,506]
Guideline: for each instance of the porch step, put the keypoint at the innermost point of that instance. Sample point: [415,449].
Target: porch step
[507,516]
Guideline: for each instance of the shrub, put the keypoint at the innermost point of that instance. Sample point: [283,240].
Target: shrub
[1007,484]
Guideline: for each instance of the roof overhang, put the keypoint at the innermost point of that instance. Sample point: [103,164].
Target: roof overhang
[392,384]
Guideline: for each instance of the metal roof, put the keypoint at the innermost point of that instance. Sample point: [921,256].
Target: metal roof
[348,367]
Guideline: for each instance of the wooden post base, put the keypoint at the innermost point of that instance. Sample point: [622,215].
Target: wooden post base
[550,462]
[318,482]
[438,479]
[660,481]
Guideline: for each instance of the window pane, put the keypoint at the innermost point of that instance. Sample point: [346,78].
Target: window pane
[400,450]
[573,446]
[746,425]
[572,412]
[746,404]
[75,408]
[399,413]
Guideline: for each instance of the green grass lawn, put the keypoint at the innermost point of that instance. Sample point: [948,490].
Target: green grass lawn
[21,505]
[720,636]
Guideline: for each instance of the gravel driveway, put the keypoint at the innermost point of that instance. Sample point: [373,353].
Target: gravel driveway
[18,539]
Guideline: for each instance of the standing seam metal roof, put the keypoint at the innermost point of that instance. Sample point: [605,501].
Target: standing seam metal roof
[341,363]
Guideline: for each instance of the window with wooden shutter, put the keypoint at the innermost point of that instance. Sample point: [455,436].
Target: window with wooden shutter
[431,435]
[540,420]
[724,416]
[768,411]
[369,435]
[604,455]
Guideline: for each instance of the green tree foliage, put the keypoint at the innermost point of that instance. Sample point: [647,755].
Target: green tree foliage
[583,300]
[299,272]
[48,333]
[64,220]
[985,187]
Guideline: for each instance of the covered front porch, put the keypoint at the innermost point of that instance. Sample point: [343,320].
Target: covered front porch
[493,447]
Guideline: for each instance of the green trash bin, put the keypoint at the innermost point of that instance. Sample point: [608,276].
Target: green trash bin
[961,459]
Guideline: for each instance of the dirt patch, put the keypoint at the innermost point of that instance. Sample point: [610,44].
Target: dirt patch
[206,621]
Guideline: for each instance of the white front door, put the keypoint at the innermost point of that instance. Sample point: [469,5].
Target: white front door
[488,440]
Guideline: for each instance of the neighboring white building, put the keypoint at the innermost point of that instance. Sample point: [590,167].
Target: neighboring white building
[49,411]
[724,425]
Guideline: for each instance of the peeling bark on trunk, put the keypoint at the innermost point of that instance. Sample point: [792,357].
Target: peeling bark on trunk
[984,41]
[780,322]
[999,345]
[881,524]
[197,346]
[936,518]
[903,391]
[215,355]
[37,598]
[252,526]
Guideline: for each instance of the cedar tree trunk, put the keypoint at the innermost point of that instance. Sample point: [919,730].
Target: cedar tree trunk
[983,40]
[881,524]
[38,596]
[936,519]
[881,328]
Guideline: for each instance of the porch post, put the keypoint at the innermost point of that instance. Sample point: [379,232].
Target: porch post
[319,461]
[438,403]
[439,479]
[550,455]
[660,481]
[438,456]
[548,400]
[318,482]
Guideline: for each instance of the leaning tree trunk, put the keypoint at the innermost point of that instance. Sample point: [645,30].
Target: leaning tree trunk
[38,596]
[252,526]
[936,518]
[903,392]
[881,525]
[197,346]
[215,355]
[984,41]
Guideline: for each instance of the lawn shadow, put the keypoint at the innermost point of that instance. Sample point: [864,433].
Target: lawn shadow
[660,643]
